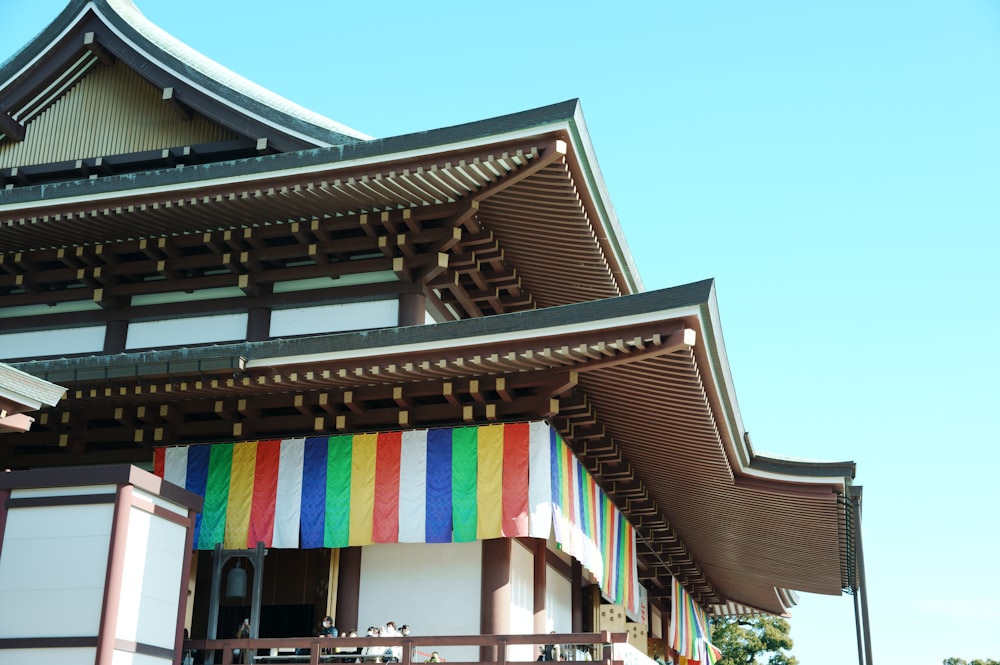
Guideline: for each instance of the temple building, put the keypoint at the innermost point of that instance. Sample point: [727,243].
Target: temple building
[400,371]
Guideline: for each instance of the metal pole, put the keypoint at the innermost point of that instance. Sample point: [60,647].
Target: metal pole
[850,519]
[856,496]
[857,624]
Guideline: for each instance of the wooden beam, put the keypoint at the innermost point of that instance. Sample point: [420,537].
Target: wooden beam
[552,152]
[11,128]
[91,44]
[683,338]
[176,105]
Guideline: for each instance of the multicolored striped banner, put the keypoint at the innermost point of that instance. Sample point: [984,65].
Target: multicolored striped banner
[420,486]
[689,633]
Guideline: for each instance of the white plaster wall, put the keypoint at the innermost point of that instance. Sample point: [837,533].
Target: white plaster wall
[126,658]
[191,330]
[334,318]
[54,563]
[433,587]
[60,342]
[522,600]
[152,578]
[79,490]
[656,621]
[76,656]
[558,602]
[159,501]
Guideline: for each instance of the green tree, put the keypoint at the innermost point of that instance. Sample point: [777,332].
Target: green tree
[746,640]
[962,661]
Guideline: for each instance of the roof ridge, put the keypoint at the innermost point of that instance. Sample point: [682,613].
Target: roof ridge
[178,60]
[190,56]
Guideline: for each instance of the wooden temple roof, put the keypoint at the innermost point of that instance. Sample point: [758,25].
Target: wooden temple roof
[511,211]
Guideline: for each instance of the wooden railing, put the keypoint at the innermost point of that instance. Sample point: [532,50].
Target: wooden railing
[322,650]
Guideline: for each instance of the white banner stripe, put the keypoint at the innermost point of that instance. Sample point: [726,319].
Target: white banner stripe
[413,487]
[175,465]
[288,502]
[539,481]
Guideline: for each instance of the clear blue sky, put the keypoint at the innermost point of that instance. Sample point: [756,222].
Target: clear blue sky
[835,166]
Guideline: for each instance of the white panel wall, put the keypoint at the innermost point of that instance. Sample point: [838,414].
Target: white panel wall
[402,582]
[334,318]
[522,600]
[558,602]
[154,564]
[53,572]
[125,658]
[54,563]
[192,330]
[66,341]
[76,656]
[656,620]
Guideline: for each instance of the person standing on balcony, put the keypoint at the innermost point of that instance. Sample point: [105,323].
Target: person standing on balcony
[549,651]
[242,633]
[327,629]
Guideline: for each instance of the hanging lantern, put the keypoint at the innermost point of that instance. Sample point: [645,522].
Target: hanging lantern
[236,581]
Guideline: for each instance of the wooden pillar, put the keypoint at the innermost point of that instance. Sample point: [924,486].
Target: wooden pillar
[114,579]
[495,600]
[4,496]
[540,552]
[333,584]
[258,324]
[412,309]
[115,335]
[576,596]
[349,587]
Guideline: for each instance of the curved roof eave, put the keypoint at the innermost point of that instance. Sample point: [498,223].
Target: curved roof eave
[124,19]
[744,460]
[696,300]
[380,342]
[764,590]
[614,236]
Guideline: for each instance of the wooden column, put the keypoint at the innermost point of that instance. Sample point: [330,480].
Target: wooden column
[258,324]
[576,596]
[495,600]
[349,587]
[540,551]
[4,496]
[665,633]
[412,309]
[115,334]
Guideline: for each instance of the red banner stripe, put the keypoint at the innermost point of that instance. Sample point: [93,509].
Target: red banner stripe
[265,492]
[159,456]
[385,528]
[515,479]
